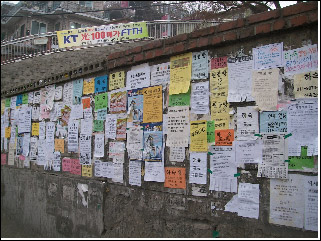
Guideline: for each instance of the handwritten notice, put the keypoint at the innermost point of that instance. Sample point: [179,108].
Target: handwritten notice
[87,170]
[60,145]
[219,104]
[247,123]
[99,145]
[86,102]
[135,143]
[76,112]
[135,170]
[135,102]
[36,97]
[200,98]
[56,162]
[175,177]
[240,79]
[67,93]
[98,126]
[75,167]
[73,136]
[274,154]
[24,124]
[58,93]
[35,113]
[101,101]
[101,84]
[198,168]
[198,136]
[13,102]
[138,77]
[200,65]
[180,73]
[246,202]
[11,154]
[219,62]
[121,129]
[178,126]
[180,99]
[118,175]
[89,86]
[153,104]
[154,172]
[248,151]
[302,117]
[301,60]
[160,74]
[33,148]
[3,158]
[306,85]
[268,56]
[223,167]
[224,137]
[265,88]
[88,113]
[118,102]
[311,203]
[110,126]
[85,149]
[177,154]
[273,121]
[153,142]
[86,126]
[117,80]
[66,164]
[42,130]
[287,201]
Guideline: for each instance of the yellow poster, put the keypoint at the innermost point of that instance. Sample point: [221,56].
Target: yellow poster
[87,170]
[35,129]
[198,136]
[60,145]
[89,86]
[180,73]
[117,80]
[3,104]
[101,34]
[305,85]
[153,104]
[219,105]
[7,132]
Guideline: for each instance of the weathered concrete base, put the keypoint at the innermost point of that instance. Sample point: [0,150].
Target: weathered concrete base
[51,205]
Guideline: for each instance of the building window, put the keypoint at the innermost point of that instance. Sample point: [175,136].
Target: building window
[74,25]
[57,26]
[22,31]
[88,4]
[37,27]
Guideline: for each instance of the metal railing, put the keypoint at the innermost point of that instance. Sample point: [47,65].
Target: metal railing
[41,44]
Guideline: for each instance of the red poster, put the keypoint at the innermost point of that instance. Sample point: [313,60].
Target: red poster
[175,177]
[224,137]
[3,159]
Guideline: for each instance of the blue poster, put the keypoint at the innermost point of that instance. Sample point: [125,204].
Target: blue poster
[77,91]
[19,100]
[273,121]
[101,84]
[153,141]
[135,104]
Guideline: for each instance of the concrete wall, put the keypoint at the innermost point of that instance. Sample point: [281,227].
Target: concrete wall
[50,202]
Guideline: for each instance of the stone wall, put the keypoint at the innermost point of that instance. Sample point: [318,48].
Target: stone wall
[51,203]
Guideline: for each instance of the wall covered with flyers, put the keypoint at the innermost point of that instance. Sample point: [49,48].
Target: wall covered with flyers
[231,129]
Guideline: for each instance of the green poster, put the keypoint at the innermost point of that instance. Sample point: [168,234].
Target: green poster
[25,99]
[210,131]
[7,102]
[180,99]
[101,101]
[298,162]
[98,126]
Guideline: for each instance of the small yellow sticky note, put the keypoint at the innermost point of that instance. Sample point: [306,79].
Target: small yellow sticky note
[87,170]
[7,132]
[35,129]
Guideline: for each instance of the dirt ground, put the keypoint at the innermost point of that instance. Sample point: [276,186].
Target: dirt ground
[10,229]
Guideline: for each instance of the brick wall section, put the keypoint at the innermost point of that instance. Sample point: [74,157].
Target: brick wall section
[16,76]
[263,23]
